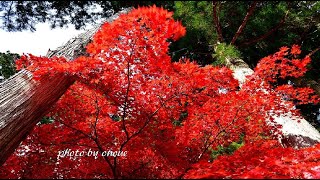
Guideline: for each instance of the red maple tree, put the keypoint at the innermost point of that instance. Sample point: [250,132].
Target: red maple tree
[165,118]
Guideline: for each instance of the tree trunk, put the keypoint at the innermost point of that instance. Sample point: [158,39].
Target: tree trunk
[296,134]
[24,101]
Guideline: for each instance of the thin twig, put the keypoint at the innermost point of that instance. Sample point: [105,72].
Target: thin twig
[314,51]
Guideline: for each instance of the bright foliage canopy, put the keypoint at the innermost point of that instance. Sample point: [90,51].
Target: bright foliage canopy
[168,117]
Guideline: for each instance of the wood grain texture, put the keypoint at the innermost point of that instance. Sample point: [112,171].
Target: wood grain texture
[24,101]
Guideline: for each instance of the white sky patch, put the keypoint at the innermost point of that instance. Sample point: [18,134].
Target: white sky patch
[38,42]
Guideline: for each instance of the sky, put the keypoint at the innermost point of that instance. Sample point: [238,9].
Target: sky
[38,42]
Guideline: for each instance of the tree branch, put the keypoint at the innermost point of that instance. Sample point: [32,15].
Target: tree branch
[146,123]
[106,158]
[98,109]
[114,169]
[216,20]
[314,51]
[96,140]
[272,30]
[244,22]
[207,144]
[126,99]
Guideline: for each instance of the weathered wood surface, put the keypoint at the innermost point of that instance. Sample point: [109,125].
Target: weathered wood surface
[24,101]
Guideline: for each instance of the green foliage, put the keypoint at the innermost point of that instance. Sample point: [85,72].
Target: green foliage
[227,150]
[196,16]
[183,116]
[300,25]
[222,51]
[24,15]
[115,117]
[46,120]
[7,65]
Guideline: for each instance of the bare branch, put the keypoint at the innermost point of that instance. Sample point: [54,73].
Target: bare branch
[216,20]
[272,30]
[75,129]
[244,22]
[96,140]
[314,51]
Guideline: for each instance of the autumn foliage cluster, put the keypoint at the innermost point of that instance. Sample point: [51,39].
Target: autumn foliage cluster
[170,117]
